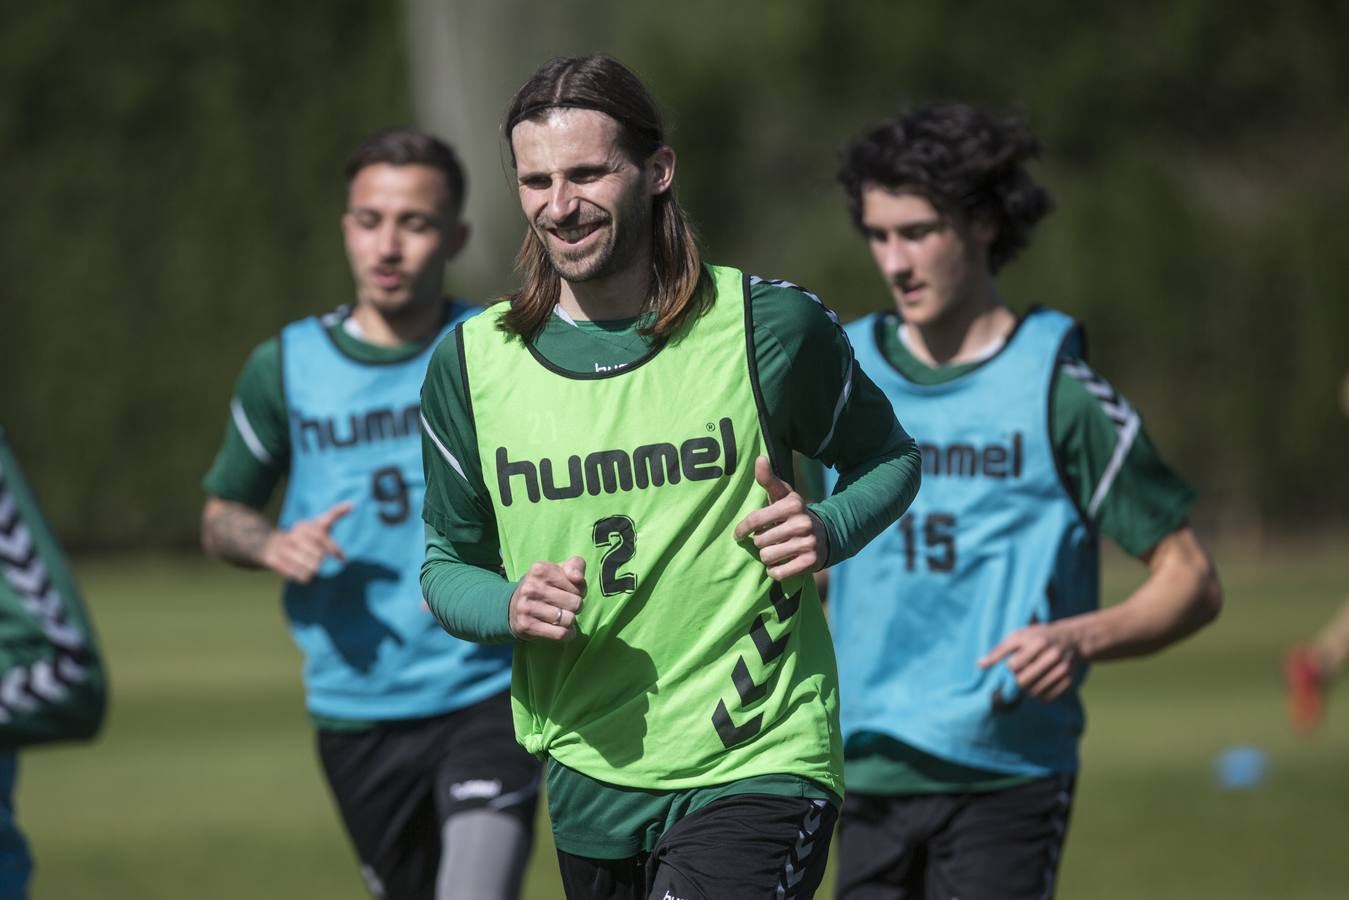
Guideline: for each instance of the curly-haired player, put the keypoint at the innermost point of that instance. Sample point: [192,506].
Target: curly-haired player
[967,627]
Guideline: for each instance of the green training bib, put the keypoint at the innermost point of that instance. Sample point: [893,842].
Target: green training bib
[691,666]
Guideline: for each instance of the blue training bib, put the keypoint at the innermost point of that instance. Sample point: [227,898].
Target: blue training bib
[372,650]
[992,543]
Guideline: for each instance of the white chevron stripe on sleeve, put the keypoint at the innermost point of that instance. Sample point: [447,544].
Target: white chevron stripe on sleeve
[248,434]
[1124,417]
[63,634]
[445,453]
[28,578]
[45,683]
[842,401]
[14,691]
[23,689]
[1126,440]
[778,282]
[46,605]
[69,669]
[17,544]
[846,392]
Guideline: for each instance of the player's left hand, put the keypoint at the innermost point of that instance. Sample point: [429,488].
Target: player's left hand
[1042,657]
[790,538]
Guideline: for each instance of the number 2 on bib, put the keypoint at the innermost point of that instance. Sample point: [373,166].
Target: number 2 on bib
[620,536]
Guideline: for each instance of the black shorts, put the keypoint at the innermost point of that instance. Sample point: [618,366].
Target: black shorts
[742,846]
[396,784]
[1000,845]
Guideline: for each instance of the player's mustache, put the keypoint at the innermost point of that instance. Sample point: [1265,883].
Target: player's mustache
[576,221]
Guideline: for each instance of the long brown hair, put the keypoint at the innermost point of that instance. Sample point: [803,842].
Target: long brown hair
[679,283]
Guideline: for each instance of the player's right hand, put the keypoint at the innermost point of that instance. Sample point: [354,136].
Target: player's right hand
[547,599]
[1043,657]
[297,552]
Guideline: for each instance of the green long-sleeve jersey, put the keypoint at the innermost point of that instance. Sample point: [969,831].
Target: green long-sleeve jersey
[816,402]
[819,404]
[52,681]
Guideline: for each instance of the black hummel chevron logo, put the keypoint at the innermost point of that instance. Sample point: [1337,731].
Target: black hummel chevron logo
[769,649]
[785,604]
[728,732]
[749,691]
[744,683]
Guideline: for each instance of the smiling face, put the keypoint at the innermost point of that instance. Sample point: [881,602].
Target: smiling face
[933,264]
[400,230]
[588,203]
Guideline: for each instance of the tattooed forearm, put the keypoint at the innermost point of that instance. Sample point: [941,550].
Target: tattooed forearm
[234,532]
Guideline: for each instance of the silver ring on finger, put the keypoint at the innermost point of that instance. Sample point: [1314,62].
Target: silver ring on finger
[558,620]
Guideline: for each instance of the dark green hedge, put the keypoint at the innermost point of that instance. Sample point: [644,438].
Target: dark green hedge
[172,183]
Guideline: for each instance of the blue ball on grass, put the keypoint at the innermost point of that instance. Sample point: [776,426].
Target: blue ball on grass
[1240,768]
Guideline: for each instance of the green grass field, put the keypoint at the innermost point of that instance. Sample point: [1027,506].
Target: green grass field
[204,783]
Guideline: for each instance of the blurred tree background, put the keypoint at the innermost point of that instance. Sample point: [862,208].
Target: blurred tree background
[173,174]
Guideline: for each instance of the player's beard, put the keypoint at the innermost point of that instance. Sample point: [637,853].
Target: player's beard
[617,249]
[592,263]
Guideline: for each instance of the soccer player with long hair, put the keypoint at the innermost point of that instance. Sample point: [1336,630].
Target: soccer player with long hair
[608,458]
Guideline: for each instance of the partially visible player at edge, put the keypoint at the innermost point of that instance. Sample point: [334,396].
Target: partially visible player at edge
[617,436]
[413,725]
[968,626]
[55,688]
[1311,667]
